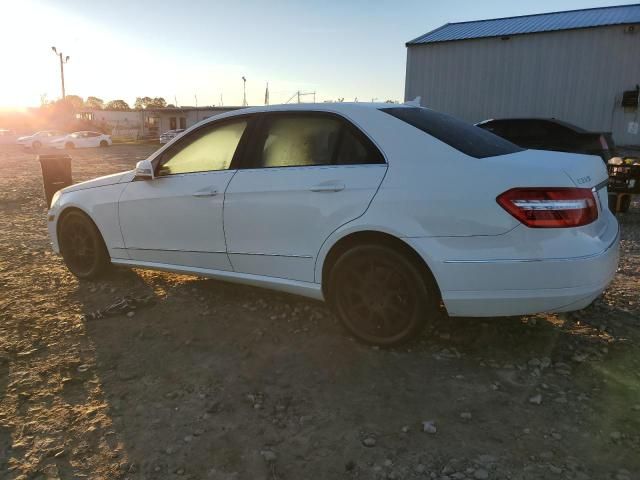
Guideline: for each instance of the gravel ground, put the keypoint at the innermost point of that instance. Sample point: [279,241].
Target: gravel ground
[214,381]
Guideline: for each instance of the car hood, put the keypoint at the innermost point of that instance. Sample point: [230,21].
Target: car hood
[27,137]
[101,181]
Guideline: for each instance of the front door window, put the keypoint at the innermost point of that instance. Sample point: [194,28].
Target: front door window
[206,150]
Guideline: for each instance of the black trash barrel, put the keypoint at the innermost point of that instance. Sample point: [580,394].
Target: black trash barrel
[56,174]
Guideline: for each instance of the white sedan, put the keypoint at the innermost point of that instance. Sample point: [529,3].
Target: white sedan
[7,136]
[169,135]
[383,211]
[83,140]
[40,139]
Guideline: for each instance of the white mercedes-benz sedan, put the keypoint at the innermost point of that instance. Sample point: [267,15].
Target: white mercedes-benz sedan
[385,211]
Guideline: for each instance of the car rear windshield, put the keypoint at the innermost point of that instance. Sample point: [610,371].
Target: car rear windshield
[462,136]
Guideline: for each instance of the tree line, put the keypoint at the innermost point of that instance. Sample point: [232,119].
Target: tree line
[78,103]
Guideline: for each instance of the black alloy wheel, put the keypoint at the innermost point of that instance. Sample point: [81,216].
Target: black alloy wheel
[380,295]
[82,246]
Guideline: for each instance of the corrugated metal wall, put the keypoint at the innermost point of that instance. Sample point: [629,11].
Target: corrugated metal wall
[574,75]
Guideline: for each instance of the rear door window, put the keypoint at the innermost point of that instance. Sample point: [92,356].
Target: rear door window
[310,139]
[462,136]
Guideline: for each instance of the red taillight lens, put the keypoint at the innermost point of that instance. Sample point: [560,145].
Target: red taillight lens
[550,207]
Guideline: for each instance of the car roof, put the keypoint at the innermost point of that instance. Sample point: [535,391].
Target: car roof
[324,106]
[343,108]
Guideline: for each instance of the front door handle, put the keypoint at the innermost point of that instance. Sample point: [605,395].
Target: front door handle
[328,187]
[206,193]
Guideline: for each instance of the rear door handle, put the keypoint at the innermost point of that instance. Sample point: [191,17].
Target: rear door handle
[206,193]
[328,187]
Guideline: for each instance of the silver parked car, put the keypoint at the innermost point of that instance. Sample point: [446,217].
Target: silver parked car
[169,135]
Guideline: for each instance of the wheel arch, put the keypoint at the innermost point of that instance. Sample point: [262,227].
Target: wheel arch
[375,237]
[73,208]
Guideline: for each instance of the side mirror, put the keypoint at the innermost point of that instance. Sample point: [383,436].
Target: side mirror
[144,170]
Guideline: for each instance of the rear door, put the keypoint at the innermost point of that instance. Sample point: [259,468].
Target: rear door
[92,139]
[306,174]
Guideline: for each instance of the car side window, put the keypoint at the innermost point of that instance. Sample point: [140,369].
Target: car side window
[298,140]
[309,139]
[207,149]
[353,151]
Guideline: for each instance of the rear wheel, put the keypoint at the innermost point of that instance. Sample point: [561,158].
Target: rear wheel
[82,246]
[104,143]
[69,145]
[380,295]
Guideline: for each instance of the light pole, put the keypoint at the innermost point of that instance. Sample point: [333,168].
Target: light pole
[63,60]
[244,87]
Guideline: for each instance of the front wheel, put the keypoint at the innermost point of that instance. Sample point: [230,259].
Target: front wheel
[381,296]
[104,143]
[69,145]
[35,146]
[82,246]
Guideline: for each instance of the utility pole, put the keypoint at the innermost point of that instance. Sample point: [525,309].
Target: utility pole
[63,60]
[244,88]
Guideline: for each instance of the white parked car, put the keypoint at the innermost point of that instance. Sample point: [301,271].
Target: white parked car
[83,140]
[7,136]
[169,135]
[383,211]
[40,139]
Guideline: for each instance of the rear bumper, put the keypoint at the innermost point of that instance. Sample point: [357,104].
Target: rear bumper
[484,287]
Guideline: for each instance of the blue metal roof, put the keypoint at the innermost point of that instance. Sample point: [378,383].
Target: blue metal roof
[542,22]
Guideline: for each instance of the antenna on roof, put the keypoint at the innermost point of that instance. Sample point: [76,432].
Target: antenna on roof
[415,102]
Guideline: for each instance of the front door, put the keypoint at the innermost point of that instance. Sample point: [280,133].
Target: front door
[176,218]
[307,174]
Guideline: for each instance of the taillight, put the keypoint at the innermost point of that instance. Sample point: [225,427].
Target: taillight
[550,207]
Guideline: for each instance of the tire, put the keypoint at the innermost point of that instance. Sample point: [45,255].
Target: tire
[82,246]
[35,146]
[380,295]
[69,145]
[104,143]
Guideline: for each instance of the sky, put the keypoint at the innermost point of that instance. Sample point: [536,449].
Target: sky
[198,50]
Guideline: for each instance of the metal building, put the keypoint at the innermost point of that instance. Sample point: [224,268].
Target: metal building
[581,66]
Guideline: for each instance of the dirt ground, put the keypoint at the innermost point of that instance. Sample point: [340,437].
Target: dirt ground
[216,381]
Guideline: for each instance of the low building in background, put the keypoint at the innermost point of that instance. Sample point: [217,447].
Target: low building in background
[580,66]
[148,123]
